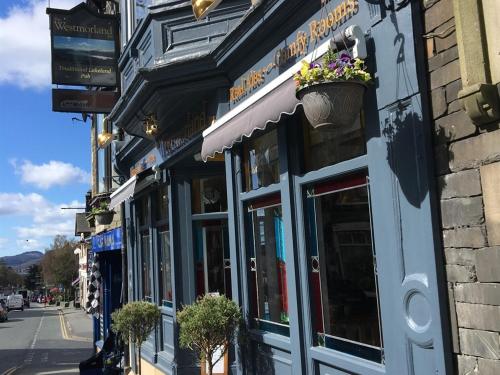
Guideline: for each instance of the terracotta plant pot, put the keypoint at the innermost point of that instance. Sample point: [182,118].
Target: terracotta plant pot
[334,104]
[104,218]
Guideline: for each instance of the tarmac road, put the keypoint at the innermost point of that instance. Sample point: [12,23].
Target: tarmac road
[40,341]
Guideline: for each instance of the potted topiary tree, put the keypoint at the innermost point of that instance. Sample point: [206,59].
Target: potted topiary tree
[103,215]
[332,91]
[134,322]
[208,326]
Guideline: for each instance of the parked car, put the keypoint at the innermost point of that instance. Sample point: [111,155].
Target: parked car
[4,312]
[15,302]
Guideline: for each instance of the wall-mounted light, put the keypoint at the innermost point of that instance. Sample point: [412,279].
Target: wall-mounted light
[105,138]
[202,7]
[151,125]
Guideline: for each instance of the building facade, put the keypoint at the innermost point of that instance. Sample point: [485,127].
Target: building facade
[362,250]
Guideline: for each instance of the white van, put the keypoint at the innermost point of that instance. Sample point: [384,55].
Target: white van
[15,302]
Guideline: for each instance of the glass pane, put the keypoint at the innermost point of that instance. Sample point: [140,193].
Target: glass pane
[143,211]
[209,195]
[211,244]
[342,273]
[145,257]
[101,171]
[161,206]
[141,9]
[325,145]
[261,161]
[268,262]
[165,265]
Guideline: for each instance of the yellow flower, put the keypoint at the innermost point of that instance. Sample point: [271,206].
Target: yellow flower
[305,67]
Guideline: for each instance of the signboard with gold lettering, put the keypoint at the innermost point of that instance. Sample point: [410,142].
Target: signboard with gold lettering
[84,47]
[332,16]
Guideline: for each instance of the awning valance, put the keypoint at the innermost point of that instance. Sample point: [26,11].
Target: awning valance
[124,192]
[267,108]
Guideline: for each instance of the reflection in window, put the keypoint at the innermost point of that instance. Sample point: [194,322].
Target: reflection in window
[213,265]
[209,195]
[342,272]
[102,158]
[327,145]
[267,263]
[165,266]
[145,258]
[261,161]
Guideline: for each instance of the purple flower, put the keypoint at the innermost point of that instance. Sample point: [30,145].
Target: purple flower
[345,57]
[332,66]
[314,65]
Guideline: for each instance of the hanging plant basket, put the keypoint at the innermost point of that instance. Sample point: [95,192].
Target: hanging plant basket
[104,218]
[335,103]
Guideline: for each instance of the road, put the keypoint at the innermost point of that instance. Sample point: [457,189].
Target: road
[39,341]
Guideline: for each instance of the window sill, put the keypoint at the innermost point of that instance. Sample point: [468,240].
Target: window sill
[272,339]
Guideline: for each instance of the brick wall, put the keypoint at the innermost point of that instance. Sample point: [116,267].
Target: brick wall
[468,169]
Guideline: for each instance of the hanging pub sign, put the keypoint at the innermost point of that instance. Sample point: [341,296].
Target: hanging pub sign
[84,101]
[84,47]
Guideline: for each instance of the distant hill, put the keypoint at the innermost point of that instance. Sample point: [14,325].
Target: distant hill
[22,261]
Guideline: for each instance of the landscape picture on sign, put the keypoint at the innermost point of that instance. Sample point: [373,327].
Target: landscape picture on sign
[68,49]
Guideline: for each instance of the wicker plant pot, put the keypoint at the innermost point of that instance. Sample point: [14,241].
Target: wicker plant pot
[104,218]
[334,104]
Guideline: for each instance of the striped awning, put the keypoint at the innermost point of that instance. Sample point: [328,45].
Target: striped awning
[124,192]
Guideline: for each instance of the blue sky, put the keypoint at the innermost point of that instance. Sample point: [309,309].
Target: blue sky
[44,155]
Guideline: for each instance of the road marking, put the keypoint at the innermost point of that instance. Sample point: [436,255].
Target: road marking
[37,333]
[64,331]
[67,371]
[11,370]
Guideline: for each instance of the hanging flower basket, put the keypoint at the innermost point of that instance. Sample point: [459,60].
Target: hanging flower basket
[334,104]
[104,218]
[332,92]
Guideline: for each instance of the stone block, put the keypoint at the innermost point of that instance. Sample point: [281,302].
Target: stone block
[490,181]
[438,14]
[460,185]
[460,274]
[462,257]
[455,341]
[484,317]
[448,37]
[480,343]
[467,365]
[475,151]
[445,74]
[438,99]
[458,212]
[488,366]
[488,264]
[452,90]
[454,126]
[473,237]
[455,106]
[442,58]
[483,293]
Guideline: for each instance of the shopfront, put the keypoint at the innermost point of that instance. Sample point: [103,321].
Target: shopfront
[105,281]
[326,237]
[334,228]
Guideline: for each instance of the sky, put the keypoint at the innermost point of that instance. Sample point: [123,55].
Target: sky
[44,155]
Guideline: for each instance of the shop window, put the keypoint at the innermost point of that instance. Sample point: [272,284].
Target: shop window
[145,260]
[213,264]
[261,161]
[326,145]
[343,281]
[209,195]
[102,157]
[267,265]
[163,231]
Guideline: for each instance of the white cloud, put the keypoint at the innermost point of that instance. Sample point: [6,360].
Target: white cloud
[28,245]
[25,43]
[47,218]
[53,173]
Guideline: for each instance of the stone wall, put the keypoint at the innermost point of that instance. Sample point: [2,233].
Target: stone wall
[468,170]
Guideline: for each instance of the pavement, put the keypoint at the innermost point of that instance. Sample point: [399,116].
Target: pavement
[45,340]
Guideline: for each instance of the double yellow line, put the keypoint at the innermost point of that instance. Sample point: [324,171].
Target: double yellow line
[64,330]
[11,370]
